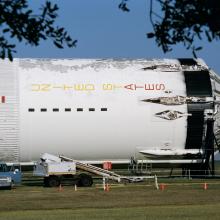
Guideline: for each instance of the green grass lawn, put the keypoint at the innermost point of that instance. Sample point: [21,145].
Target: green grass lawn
[180,200]
[195,212]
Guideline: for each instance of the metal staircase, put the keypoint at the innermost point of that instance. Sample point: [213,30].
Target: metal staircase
[99,171]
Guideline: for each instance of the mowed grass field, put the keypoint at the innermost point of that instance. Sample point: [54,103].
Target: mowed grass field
[181,199]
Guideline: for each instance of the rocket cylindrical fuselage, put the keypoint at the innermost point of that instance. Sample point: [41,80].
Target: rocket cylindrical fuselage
[102,109]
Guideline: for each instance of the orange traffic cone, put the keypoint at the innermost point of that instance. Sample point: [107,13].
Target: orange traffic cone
[107,187]
[60,188]
[162,186]
[205,186]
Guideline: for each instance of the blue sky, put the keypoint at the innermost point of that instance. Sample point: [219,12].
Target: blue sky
[104,31]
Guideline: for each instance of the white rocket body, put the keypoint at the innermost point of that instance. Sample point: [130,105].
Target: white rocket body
[97,109]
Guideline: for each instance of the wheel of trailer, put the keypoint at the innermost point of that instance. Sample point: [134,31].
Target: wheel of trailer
[53,181]
[85,180]
[46,183]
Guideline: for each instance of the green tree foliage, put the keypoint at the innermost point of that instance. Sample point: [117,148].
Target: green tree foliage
[18,21]
[182,21]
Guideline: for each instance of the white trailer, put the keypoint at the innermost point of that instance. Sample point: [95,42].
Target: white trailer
[55,168]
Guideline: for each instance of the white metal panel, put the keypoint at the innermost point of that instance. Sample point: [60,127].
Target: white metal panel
[61,168]
[9,112]
[127,125]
